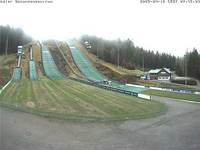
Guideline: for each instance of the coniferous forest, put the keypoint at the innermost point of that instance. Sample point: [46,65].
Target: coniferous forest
[125,54]
[10,38]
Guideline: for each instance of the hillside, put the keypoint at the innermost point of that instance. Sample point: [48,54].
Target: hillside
[24,62]
[58,58]
[73,69]
[7,64]
[64,98]
[37,57]
[35,45]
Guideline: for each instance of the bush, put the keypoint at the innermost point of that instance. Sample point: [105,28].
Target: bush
[183,81]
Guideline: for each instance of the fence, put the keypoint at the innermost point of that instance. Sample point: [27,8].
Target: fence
[107,87]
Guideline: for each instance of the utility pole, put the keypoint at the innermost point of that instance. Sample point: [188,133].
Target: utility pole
[6,49]
[143,62]
[97,52]
[185,62]
[118,56]
[97,46]
[31,53]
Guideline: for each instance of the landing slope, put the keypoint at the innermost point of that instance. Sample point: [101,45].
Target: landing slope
[109,69]
[58,57]
[85,66]
[49,65]
[93,74]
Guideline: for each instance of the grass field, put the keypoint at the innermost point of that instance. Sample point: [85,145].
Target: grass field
[69,99]
[184,96]
[6,66]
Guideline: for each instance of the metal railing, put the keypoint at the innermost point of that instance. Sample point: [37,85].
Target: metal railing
[107,87]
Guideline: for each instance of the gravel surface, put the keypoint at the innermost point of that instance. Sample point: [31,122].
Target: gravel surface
[178,129]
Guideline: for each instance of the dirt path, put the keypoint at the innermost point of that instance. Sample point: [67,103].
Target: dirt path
[178,129]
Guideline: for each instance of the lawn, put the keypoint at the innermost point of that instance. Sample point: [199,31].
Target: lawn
[183,96]
[6,66]
[68,99]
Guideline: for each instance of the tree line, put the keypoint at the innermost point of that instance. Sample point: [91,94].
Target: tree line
[125,54]
[10,38]
[189,65]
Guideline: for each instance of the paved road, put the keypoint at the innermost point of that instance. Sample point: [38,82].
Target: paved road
[178,129]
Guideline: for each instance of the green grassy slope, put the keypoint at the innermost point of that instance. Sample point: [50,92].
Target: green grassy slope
[6,68]
[184,96]
[73,100]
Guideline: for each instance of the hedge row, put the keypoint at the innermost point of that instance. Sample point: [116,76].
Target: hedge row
[186,81]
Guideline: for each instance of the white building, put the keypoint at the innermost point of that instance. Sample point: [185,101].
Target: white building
[160,74]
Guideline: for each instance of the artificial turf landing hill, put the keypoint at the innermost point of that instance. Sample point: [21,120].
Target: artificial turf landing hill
[108,69]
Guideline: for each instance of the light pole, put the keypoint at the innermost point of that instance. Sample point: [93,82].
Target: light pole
[6,49]
[185,65]
[118,57]
[143,62]
[97,52]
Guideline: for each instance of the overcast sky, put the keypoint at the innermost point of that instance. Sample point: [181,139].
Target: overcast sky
[170,28]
